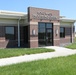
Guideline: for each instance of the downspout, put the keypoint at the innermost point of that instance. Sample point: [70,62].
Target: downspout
[72,33]
[19,32]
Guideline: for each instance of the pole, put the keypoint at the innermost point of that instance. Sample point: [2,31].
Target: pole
[19,32]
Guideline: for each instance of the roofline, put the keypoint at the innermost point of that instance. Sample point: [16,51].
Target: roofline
[67,20]
[43,8]
[16,15]
[11,12]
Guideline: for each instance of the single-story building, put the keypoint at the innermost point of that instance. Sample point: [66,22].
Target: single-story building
[38,27]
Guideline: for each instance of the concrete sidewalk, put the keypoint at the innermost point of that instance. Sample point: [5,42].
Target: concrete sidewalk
[59,51]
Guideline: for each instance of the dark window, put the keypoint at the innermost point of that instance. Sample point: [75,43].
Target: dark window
[9,33]
[73,29]
[62,32]
[41,33]
[48,25]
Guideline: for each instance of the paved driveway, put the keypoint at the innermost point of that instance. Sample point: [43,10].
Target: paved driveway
[59,51]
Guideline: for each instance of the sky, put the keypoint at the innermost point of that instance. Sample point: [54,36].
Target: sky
[67,7]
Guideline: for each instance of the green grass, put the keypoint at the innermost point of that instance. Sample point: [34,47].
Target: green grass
[22,51]
[75,40]
[54,66]
[71,46]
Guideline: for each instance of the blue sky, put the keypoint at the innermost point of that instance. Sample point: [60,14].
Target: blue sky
[67,7]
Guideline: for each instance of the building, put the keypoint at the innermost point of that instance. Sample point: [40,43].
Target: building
[37,27]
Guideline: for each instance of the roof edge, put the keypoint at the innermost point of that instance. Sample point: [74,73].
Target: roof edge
[12,12]
[68,19]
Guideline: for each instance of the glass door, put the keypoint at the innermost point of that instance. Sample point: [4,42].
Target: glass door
[45,34]
[49,39]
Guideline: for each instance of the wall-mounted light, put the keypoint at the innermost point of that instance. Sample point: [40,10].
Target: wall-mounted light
[33,32]
[56,31]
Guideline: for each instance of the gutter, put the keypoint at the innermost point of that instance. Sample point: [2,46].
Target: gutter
[73,32]
[19,32]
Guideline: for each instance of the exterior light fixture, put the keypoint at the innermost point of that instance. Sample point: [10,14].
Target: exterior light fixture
[56,31]
[33,32]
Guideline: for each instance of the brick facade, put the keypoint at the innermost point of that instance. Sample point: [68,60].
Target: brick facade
[33,41]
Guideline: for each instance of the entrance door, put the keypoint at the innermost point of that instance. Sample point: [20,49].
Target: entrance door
[49,39]
[25,30]
[45,34]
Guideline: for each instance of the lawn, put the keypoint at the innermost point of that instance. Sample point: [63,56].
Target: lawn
[75,40]
[54,66]
[21,51]
[71,46]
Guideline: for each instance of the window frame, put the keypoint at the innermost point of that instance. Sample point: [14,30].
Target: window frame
[62,34]
[42,41]
[9,34]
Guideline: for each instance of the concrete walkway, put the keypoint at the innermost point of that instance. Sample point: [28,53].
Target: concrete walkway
[59,51]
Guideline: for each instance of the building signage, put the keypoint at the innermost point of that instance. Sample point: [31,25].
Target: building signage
[44,16]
